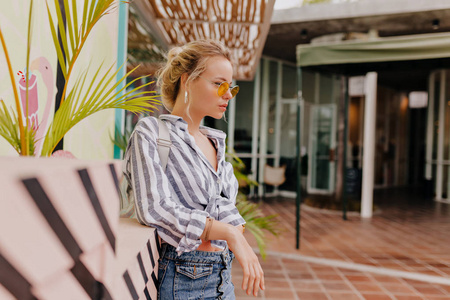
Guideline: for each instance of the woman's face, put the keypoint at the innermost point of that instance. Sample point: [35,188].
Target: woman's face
[203,97]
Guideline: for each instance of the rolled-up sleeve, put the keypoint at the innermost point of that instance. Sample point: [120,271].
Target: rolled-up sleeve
[228,213]
[177,225]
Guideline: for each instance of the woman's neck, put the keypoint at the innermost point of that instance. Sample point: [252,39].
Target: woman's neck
[192,121]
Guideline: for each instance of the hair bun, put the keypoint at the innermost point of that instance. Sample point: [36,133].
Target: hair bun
[174,53]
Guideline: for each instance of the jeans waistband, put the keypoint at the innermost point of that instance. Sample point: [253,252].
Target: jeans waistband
[224,256]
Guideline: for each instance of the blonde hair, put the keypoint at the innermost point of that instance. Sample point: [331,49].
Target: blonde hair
[191,59]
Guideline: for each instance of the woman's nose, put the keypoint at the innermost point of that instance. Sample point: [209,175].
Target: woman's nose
[228,95]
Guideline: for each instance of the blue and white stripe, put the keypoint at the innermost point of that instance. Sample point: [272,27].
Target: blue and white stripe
[178,201]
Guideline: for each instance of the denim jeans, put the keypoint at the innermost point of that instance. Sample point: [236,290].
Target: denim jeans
[195,275]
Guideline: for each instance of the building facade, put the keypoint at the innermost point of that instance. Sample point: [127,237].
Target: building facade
[373,91]
[354,91]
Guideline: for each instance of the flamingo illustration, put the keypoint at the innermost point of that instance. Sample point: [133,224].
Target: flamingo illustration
[33,104]
[42,65]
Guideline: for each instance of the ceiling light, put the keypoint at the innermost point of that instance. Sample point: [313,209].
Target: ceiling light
[435,24]
[304,34]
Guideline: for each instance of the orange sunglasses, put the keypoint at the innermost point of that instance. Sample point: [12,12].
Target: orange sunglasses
[223,87]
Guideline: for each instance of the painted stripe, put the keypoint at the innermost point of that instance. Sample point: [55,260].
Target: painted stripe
[152,258]
[150,252]
[114,176]
[52,217]
[147,294]
[104,295]
[130,285]
[122,48]
[92,287]
[158,242]
[155,280]
[141,266]
[84,175]
[360,267]
[13,281]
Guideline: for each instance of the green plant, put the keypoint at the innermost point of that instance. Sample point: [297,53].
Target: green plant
[121,139]
[256,222]
[239,167]
[81,99]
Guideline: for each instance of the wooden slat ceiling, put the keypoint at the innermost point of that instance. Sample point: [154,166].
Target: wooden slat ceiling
[143,50]
[241,24]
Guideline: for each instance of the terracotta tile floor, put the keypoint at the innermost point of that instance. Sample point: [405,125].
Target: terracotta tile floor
[407,238]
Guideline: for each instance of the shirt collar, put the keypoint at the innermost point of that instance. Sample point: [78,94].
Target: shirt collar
[178,122]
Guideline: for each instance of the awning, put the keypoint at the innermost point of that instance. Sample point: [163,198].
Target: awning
[242,25]
[414,47]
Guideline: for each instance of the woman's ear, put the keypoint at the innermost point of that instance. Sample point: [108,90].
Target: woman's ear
[184,78]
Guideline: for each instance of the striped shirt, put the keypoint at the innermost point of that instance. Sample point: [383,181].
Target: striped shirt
[178,201]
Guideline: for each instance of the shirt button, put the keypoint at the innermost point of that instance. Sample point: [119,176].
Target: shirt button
[218,181]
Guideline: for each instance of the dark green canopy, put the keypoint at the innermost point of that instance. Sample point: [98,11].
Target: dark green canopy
[413,47]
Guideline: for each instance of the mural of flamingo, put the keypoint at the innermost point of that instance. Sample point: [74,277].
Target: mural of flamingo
[43,66]
[33,104]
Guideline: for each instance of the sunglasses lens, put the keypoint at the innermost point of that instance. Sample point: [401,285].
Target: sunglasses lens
[235,90]
[223,88]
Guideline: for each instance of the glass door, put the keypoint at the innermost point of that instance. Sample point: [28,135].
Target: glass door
[288,149]
[322,144]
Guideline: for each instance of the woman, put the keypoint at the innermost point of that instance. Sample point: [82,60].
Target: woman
[192,202]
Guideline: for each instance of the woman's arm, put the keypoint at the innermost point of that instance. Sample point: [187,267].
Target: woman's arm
[253,274]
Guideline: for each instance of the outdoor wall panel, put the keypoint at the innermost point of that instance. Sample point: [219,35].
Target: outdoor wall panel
[60,233]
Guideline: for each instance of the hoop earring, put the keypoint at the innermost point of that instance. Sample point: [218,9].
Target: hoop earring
[185,97]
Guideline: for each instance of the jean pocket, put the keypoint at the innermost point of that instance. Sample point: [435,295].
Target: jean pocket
[194,270]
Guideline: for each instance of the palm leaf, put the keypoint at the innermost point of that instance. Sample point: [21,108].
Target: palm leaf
[81,101]
[61,29]
[58,49]
[256,222]
[85,11]
[70,26]
[9,128]
[71,48]
[104,96]
[121,140]
[16,97]
[239,167]
[21,137]
[29,133]
[75,21]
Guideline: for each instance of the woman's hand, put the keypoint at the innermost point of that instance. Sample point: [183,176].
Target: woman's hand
[253,273]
